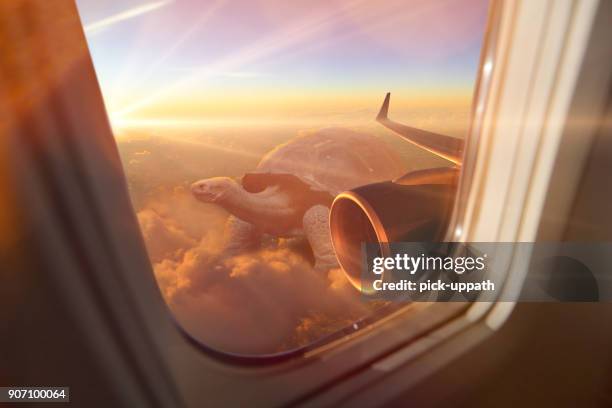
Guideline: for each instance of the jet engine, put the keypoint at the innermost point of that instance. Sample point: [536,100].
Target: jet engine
[413,208]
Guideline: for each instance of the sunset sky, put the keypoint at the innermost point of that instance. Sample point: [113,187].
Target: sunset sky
[198,89]
[176,61]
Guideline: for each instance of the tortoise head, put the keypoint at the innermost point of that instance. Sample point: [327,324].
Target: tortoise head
[213,190]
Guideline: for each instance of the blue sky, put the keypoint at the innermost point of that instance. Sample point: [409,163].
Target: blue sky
[156,56]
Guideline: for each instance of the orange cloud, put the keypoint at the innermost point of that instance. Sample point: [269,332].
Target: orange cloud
[265,301]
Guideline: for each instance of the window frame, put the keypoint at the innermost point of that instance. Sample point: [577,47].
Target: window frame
[118,304]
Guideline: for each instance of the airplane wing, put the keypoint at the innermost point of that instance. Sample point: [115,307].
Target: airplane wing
[447,147]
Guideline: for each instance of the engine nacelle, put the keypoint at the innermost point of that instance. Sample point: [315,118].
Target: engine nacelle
[413,208]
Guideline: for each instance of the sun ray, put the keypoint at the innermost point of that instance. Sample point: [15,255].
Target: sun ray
[99,25]
[204,17]
[292,35]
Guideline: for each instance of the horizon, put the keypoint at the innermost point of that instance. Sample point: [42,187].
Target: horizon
[312,62]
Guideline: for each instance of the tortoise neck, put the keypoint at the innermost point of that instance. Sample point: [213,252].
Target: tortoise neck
[252,206]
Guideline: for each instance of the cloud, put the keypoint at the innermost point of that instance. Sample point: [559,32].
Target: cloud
[168,237]
[264,301]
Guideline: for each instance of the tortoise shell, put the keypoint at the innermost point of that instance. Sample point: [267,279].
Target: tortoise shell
[324,163]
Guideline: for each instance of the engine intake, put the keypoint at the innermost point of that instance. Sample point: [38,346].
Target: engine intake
[413,208]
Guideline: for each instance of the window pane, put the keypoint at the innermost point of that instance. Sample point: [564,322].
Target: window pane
[285,93]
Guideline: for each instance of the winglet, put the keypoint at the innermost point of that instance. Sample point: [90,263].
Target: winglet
[384,109]
[444,146]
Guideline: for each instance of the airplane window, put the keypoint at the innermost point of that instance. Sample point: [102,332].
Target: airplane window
[239,122]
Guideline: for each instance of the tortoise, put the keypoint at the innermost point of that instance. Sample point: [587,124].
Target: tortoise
[290,191]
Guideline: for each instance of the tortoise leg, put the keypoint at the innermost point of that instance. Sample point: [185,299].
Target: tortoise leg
[316,228]
[240,236]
